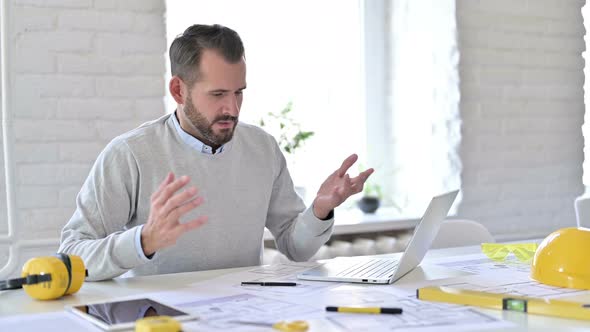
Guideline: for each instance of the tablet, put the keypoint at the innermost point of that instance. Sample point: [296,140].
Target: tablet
[122,314]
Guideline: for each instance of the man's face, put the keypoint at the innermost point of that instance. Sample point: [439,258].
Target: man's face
[213,103]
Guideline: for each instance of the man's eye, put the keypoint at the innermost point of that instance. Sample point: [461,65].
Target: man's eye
[217,94]
[239,93]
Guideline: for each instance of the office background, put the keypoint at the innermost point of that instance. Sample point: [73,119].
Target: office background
[80,72]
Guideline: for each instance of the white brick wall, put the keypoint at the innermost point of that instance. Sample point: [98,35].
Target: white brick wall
[84,71]
[522,109]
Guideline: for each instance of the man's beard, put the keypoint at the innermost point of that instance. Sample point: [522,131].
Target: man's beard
[205,128]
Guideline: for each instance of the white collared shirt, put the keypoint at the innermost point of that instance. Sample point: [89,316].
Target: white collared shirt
[192,141]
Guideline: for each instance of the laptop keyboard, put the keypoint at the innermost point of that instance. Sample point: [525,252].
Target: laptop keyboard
[372,268]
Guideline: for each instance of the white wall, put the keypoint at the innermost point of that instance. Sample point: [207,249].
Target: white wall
[522,108]
[81,72]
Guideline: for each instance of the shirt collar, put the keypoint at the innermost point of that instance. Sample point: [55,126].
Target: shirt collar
[192,141]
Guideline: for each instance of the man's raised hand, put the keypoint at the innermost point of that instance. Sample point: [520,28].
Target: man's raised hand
[338,187]
[163,227]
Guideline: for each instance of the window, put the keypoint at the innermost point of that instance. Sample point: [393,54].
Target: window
[424,133]
[374,77]
[305,52]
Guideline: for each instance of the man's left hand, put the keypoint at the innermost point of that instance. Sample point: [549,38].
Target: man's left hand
[338,187]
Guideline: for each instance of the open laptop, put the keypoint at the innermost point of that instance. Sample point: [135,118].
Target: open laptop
[387,270]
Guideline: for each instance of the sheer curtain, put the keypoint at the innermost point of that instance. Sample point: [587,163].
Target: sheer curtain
[424,103]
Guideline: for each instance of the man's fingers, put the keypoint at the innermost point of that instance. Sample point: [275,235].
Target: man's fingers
[171,188]
[195,223]
[347,188]
[178,200]
[359,181]
[347,181]
[169,178]
[363,176]
[185,208]
[346,164]
[176,232]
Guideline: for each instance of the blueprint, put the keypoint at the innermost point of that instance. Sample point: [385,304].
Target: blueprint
[221,313]
[481,264]
[509,277]
[307,301]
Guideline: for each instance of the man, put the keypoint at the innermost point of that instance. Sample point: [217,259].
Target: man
[234,176]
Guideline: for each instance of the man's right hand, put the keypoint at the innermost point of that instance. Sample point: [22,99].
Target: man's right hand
[163,227]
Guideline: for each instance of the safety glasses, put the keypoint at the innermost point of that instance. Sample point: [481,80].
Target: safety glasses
[524,252]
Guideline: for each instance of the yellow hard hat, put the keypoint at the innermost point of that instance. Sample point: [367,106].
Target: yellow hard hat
[563,259]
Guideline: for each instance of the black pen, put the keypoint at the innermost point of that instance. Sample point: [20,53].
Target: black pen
[268,283]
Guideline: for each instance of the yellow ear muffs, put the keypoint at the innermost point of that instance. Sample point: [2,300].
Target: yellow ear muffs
[49,277]
[49,288]
[77,273]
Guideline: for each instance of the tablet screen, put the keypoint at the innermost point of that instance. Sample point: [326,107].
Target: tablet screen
[128,311]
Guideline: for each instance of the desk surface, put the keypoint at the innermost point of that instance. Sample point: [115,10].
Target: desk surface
[17,302]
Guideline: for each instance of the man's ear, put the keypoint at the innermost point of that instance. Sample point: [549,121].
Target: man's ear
[177,89]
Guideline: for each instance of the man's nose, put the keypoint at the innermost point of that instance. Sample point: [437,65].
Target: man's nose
[232,106]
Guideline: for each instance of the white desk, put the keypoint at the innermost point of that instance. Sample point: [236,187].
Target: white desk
[17,302]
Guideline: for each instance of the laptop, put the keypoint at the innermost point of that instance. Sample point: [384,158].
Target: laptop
[386,270]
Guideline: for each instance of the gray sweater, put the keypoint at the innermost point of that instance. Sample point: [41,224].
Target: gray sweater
[246,188]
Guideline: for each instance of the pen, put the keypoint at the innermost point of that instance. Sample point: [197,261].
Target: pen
[268,283]
[366,310]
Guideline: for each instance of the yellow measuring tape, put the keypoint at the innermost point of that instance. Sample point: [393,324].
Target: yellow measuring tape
[157,324]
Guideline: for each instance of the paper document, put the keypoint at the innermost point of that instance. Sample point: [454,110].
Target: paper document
[507,277]
[220,313]
[508,285]
[417,315]
[481,264]
[309,299]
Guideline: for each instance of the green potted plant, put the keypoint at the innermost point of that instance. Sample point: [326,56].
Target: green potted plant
[371,199]
[288,133]
[286,130]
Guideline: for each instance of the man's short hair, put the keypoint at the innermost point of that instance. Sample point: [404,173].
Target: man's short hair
[187,49]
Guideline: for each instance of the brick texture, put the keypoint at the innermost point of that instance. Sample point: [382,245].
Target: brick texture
[522,109]
[82,69]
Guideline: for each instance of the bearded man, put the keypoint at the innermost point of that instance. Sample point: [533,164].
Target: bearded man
[194,190]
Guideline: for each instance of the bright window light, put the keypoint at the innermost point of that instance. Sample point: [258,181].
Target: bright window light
[305,52]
